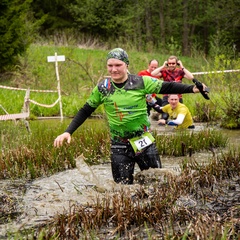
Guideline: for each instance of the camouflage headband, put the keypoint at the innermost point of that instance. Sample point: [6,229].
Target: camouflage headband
[118,53]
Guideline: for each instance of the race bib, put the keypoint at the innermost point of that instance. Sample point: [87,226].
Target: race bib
[139,143]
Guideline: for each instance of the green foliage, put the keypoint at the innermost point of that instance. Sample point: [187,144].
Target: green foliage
[10,97]
[182,143]
[98,17]
[231,110]
[220,45]
[146,25]
[173,46]
[17,29]
[205,112]
[142,25]
[226,97]
[54,13]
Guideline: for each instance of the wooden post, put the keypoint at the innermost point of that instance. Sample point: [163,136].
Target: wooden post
[58,87]
[26,109]
[57,59]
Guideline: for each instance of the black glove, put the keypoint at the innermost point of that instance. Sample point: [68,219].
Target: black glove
[200,87]
[151,100]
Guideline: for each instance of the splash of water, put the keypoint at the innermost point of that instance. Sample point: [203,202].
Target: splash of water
[87,172]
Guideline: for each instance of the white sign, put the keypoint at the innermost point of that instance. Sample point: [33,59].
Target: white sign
[60,58]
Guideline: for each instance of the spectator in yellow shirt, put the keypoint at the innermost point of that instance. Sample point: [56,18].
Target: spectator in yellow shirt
[179,114]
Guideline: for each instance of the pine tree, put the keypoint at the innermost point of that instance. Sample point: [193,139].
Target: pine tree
[16,30]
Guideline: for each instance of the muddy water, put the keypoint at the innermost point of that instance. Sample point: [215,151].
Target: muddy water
[233,135]
[46,197]
[43,198]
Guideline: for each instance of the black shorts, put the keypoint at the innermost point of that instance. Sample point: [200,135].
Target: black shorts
[123,159]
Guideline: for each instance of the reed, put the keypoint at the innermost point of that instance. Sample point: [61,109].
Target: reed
[180,208]
[31,155]
[182,143]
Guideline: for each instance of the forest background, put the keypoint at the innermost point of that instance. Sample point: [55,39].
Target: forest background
[187,28]
[204,34]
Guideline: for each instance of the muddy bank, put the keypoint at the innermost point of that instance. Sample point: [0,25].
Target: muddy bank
[32,203]
[35,202]
[29,204]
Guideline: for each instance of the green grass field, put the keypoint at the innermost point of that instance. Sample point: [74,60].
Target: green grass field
[83,68]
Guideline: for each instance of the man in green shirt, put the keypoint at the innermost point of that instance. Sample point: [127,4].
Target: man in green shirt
[124,98]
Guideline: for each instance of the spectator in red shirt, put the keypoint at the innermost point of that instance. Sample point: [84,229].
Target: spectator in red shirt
[152,65]
[172,70]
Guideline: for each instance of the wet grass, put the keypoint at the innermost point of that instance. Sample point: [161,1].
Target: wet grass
[182,143]
[31,155]
[201,203]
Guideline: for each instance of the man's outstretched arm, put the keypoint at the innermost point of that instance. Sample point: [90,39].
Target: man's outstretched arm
[177,88]
[180,88]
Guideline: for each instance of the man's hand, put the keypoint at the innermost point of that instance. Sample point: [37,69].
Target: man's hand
[180,64]
[203,89]
[150,100]
[161,122]
[165,64]
[60,139]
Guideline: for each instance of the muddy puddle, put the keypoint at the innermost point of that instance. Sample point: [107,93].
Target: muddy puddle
[32,203]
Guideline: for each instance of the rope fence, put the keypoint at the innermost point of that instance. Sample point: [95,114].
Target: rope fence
[212,72]
[45,105]
[27,99]
[24,89]
[15,116]
[25,111]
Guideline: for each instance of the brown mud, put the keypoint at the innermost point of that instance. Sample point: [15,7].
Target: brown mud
[30,204]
